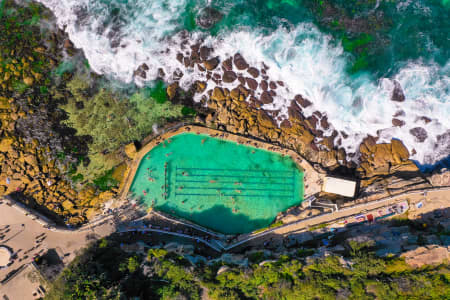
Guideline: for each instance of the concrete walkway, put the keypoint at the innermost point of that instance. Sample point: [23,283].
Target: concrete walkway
[434,199]
[22,234]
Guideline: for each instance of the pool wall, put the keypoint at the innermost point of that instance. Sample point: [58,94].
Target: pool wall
[311,175]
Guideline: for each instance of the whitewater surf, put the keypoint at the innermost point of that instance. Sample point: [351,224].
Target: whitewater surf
[382,69]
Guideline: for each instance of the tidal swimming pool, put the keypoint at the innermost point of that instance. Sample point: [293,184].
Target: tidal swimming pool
[219,184]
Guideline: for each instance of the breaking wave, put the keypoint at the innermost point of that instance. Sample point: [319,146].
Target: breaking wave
[118,36]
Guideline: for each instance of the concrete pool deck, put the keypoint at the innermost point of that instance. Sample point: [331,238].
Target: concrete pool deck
[312,179]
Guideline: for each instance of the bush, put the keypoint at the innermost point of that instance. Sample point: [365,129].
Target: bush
[113,120]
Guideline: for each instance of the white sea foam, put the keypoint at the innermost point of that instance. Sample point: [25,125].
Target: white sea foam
[303,58]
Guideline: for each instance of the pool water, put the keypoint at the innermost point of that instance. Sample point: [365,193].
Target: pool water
[228,187]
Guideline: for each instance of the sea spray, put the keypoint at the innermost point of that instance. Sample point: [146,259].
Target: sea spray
[120,36]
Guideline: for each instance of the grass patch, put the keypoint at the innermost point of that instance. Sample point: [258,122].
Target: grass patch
[323,225]
[273,225]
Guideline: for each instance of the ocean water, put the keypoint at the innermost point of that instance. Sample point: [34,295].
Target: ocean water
[219,184]
[345,56]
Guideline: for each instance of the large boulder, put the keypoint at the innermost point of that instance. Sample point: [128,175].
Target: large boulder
[208,17]
[6,144]
[172,90]
[130,150]
[430,255]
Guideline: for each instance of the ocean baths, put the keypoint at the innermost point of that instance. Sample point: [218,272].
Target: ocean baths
[220,184]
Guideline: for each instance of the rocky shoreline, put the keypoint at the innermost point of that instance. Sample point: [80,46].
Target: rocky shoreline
[239,97]
[39,154]
[36,150]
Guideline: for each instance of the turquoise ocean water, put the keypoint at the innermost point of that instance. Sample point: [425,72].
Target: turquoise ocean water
[346,56]
[219,184]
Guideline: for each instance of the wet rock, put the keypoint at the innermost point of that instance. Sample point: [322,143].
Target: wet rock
[228,64]
[253,71]
[243,91]
[218,94]
[302,101]
[177,74]
[241,80]
[172,90]
[419,133]
[399,113]
[272,93]
[264,85]
[266,98]
[205,52]
[324,123]
[425,119]
[161,73]
[200,86]
[201,68]
[240,62]
[211,64]
[187,62]
[285,124]
[273,85]
[234,94]
[397,93]
[180,57]
[280,83]
[208,17]
[252,83]
[295,111]
[229,76]
[397,122]
[312,122]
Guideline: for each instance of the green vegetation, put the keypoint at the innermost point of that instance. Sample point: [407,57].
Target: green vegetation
[323,225]
[158,92]
[187,111]
[352,44]
[273,225]
[106,182]
[106,272]
[112,120]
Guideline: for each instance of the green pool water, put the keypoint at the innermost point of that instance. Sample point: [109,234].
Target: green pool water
[222,185]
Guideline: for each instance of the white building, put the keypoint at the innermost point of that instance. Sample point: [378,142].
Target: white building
[339,186]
